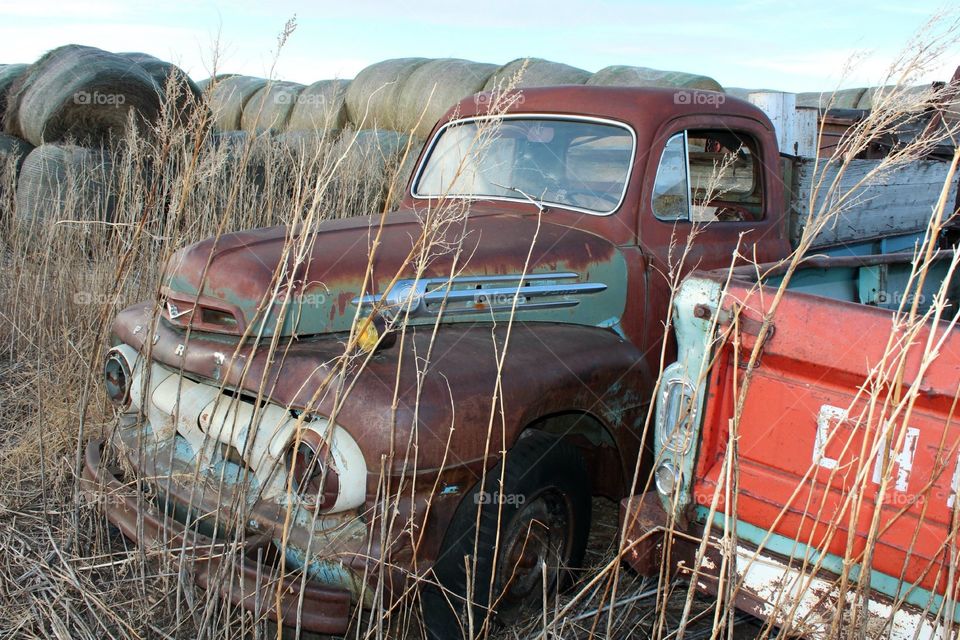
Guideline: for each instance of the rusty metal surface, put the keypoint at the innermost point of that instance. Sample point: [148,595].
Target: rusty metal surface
[324,610]
[823,350]
[578,368]
[599,370]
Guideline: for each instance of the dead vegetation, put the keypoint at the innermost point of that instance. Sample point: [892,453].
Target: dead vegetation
[65,573]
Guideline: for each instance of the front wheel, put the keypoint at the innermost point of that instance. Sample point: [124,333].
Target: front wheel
[542,513]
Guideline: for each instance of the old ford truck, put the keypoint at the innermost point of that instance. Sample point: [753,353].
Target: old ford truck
[322,429]
[838,517]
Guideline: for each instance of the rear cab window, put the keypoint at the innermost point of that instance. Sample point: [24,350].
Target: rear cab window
[709,176]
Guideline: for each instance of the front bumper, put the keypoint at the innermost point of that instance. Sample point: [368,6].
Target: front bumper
[235,571]
[769,586]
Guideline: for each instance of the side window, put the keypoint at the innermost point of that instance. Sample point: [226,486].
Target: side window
[721,173]
[671,193]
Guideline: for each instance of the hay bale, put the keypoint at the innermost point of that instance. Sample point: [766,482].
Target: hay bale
[450,80]
[206,82]
[161,70]
[79,92]
[322,105]
[8,75]
[308,144]
[13,151]
[373,96]
[64,182]
[269,108]
[228,99]
[843,99]
[538,73]
[378,145]
[619,75]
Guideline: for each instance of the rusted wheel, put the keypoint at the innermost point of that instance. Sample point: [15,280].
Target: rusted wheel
[542,511]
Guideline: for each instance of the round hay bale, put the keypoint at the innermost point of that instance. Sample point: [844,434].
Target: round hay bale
[81,93]
[8,75]
[13,151]
[269,108]
[538,73]
[307,143]
[843,99]
[228,99]
[206,82]
[64,182]
[379,145]
[187,93]
[373,95]
[450,80]
[619,75]
[405,170]
[321,105]
[743,94]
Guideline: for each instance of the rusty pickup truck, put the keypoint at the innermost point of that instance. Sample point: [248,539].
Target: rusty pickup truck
[811,480]
[347,421]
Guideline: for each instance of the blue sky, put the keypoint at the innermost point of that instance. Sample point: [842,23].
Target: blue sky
[781,45]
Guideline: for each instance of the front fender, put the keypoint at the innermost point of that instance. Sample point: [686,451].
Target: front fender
[432,388]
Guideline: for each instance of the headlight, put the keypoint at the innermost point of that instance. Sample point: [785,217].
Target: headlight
[118,377]
[675,416]
[315,476]
[667,478]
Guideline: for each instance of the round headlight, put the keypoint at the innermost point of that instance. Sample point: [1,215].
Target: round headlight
[117,378]
[667,478]
[315,478]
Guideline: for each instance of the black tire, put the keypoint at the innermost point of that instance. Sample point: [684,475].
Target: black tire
[546,494]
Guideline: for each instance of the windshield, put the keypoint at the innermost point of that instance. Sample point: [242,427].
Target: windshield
[577,164]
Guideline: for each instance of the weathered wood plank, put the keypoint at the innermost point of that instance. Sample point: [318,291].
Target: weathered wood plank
[897,203]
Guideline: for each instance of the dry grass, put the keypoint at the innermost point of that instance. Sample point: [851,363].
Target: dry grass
[65,573]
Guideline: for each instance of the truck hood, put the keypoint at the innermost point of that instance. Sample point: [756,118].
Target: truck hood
[250,282]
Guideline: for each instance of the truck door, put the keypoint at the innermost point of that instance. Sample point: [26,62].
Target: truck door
[716,184]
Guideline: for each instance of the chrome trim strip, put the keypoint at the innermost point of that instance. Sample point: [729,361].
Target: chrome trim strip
[528,116]
[537,291]
[418,294]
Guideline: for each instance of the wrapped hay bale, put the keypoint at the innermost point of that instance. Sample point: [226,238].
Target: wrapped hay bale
[186,92]
[916,98]
[321,105]
[373,96]
[60,182]
[378,145]
[269,108]
[625,76]
[228,99]
[373,166]
[8,75]
[307,144]
[843,99]
[450,80]
[206,82]
[79,92]
[13,151]
[538,73]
